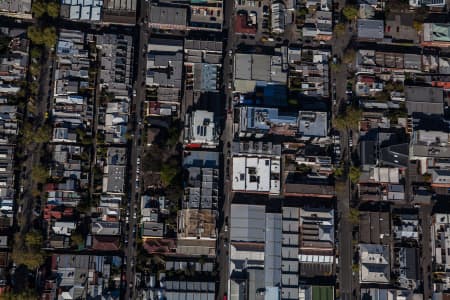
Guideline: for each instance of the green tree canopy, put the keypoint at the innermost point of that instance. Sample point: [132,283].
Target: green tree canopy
[349,119]
[354,174]
[46,36]
[39,174]
[339,30]
[39,8]
[350,12]
[33,240]
[53,9]
[349,56]
[353,216]
[27,294]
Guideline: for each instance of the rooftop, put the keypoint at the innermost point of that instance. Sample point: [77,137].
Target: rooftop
[370,29]
[256,174]
[374,263]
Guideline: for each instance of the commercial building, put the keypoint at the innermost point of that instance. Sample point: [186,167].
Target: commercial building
[374,263]
[256,167]
[201,130]
[251,68]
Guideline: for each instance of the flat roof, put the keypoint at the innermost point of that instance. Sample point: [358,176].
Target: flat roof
[168,15]
[247,223]
[370,29]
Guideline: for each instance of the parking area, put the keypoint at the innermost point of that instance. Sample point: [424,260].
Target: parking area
[253,25]
[258,15]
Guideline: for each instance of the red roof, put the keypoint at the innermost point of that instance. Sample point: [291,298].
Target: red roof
[443,84]
[366,79]
[50,187]
[159,245]
[241,26]
[105,243]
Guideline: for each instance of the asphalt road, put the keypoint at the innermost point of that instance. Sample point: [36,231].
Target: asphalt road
[133,199]
[343,191]
[425,251]
[226,138]
[32,151]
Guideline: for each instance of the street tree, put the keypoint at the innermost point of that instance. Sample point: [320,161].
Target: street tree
[53,9]
[39,8]
[350,12]
[39,174]
[354,174]
[339,30]
[349,119]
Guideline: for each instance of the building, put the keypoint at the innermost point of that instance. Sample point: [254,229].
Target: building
[278,17]
[202,184]
[206,15]
[82,275]
[201,130]
[436,34]
[256,167]
[168,17]
[440,249]
[374,263]
[375,227]
[429,141]
[369,29]
[202,63]
[312,124]
[316,242]
[119,12]
[116,61]
[87,11]
[196,232]
[251,68]
[16,8]
[165,63]
[424,99]
[430,3]
[258,122]
[255,251]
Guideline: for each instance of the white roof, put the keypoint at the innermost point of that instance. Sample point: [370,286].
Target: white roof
[252,174]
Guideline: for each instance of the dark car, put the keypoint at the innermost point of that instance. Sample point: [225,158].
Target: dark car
[265,24]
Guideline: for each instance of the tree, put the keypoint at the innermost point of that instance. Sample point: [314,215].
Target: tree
[50,37]
[349,120]
[31,259]
[35,70]
[418,26]
[33,240]
[38,9]
[350,12]
[39,174]
[304,169]
[77,239]
[353,216]
[349,56]
[339,30]
[53,9]
[28,251]
[35,53]
[28,294]
[46,36]
[168,173]
[339,171]
[354,174]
